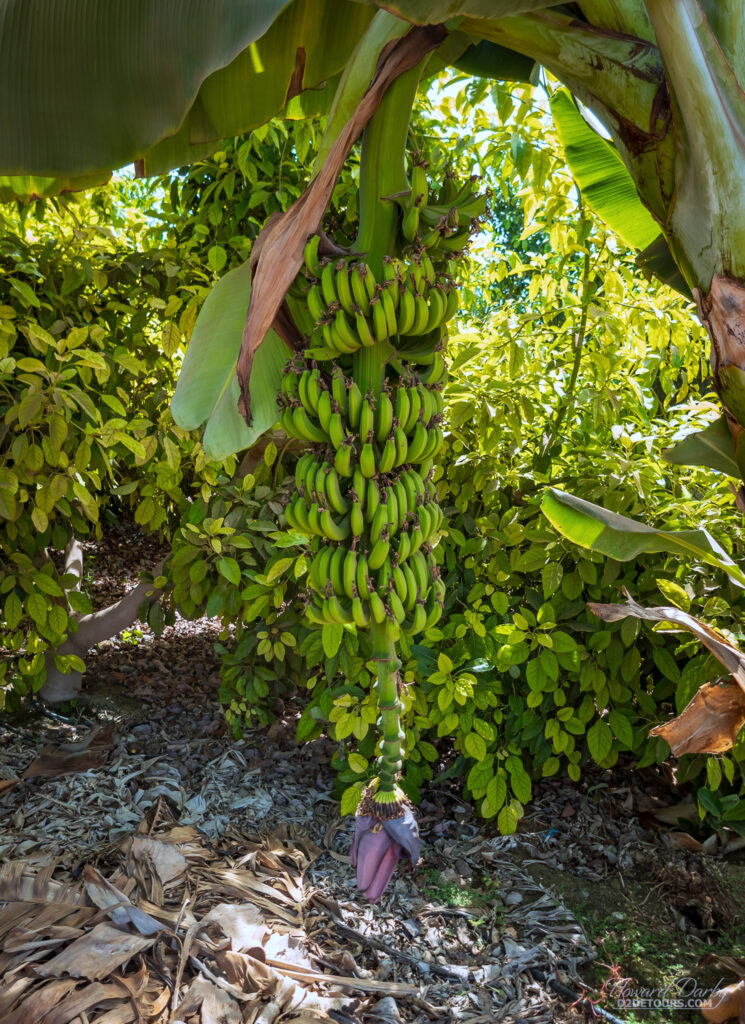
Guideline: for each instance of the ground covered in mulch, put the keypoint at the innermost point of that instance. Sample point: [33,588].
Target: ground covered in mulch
[154,869]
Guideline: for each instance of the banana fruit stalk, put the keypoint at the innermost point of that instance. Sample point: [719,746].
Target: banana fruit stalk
[365,494]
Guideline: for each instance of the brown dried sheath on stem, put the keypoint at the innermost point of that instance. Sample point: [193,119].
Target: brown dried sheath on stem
[280,256]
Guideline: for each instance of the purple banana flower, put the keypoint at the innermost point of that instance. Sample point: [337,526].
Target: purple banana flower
[377,848]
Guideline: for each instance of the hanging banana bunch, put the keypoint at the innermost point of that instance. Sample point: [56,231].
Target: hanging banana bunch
[365,496]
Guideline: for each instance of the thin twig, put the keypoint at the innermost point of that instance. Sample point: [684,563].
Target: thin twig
[395,953]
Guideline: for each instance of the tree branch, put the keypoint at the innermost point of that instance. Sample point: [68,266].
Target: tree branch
[92,630]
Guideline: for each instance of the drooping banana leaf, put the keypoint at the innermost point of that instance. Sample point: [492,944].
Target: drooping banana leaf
[712,447]
[657,261]
[308,44]
[25,187]
[88,87]
[622,538]
[488,60]
[432,12]
[601,175]
[712,719]
[207,389]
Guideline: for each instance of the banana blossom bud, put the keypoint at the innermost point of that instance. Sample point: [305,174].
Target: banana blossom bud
[378,846]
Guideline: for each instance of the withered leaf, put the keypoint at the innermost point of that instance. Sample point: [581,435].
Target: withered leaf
[725,652]
[96,954]
[710,722]
[726,1004]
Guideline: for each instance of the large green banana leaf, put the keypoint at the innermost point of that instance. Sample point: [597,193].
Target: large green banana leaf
[90,86]
[309,43]
[207,389]
[601,175]
[622,538]
[712,447]
[433,12]
[488,60]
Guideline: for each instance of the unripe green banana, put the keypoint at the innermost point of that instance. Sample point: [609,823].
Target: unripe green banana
[379,551]
[406,312]
[344,330]
[417,442]
[372,493]
[349,574]
[419,620]
[379,321]
[304,428]
[377,608]
[384,417]
[387,458]
[401,445]
[410,223]
[451,304]
[405,543]
[434,443]
[389,308]
[378,523]
[419,186]
[367,420]
[357,277]
[354,397]
[310,255]
[437,304]
[356,519]
[402,405]
[363,586]
[339,391]
[315,302]
[415,407]
[343,460]
[412,590]
[332,488]
[324,410]
[363,328]
[328,283]
[421,315]
[336,431]
[394,603]
[367,460]
[332,529]
[343,287]
[359,613]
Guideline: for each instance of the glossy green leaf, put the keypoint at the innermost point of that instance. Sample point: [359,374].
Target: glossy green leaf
[601,175]
[207,389]
[712,447]
[622,538]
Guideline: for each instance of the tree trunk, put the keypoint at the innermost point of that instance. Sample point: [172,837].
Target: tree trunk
[92,630]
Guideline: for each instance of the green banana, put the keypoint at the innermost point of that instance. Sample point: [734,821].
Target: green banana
[310,255]
[384,417]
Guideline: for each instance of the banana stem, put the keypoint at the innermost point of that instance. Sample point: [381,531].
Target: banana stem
[383,173]
[384,655]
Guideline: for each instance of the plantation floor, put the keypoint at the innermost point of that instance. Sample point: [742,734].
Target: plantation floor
[137,794]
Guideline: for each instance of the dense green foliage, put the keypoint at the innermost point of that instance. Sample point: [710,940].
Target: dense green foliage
[572,370]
